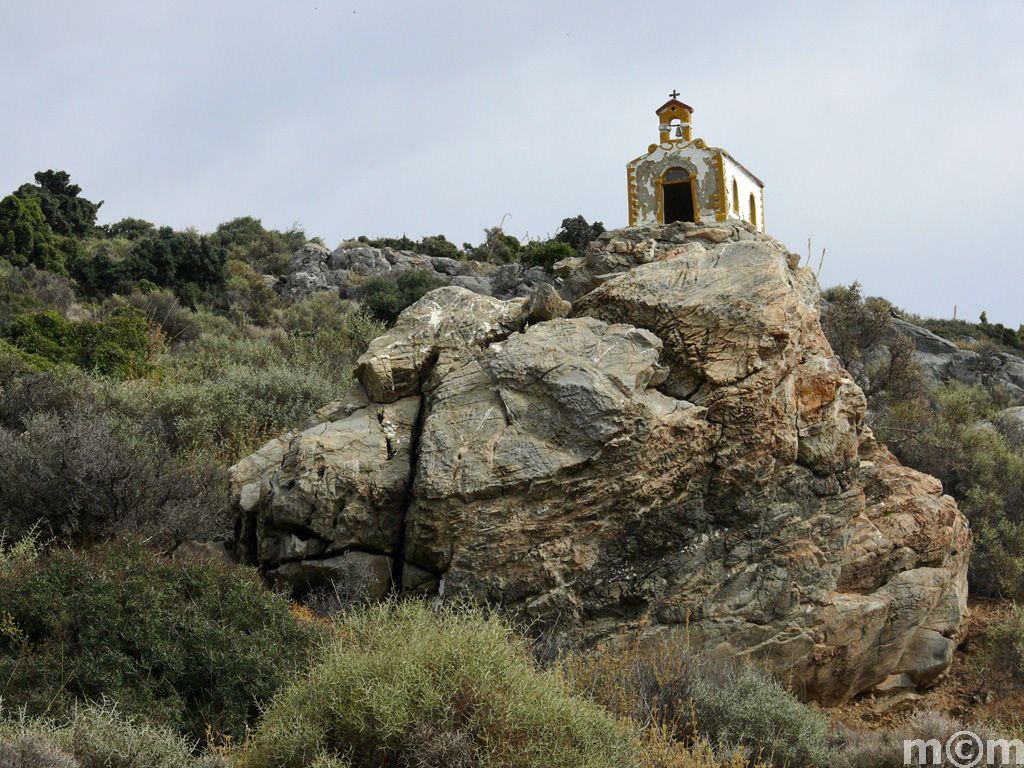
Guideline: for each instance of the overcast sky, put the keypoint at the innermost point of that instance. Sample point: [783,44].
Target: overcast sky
[888,132]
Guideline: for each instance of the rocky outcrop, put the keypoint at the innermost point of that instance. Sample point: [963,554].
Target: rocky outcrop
[314,268]
[942,362]
[680,453]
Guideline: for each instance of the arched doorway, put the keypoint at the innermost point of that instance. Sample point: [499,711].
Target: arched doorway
[677,196]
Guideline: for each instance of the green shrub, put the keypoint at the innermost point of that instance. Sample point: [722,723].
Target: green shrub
[247,296]
[432,245]
[881,361]
[577,233]
[226,397]
[1005,636]
[660,684]
[227,392]
[497,247]
[403,685]
[185,643]
[386,297]
[327,332]
[118,345]
[128,229]
[104,267]
[26,238]
[545,254]
[66,213]
[175,259]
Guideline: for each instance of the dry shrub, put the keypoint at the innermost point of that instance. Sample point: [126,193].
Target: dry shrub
[431,747]
[660,749]
[884,749]
[88,475]
[29,751]
[25,391]
[93,736]
[659,683]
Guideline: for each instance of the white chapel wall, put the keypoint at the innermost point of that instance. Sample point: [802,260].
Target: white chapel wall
[745,186]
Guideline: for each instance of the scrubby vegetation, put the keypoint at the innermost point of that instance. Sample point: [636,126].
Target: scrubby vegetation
[188,643]
[97,736]
[403,685]
[883,748]
[385,298]
[697,702]
[970,335]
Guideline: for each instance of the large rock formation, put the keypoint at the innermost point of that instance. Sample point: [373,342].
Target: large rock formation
[682,453]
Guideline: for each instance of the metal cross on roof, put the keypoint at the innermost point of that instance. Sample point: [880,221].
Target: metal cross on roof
[674,94]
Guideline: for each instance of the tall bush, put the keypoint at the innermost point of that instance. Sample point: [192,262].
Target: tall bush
[85,475]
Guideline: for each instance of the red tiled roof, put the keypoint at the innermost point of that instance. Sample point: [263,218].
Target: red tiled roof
[671,103]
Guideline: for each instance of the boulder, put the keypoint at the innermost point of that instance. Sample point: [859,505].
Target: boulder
[546,304]
[338,485]
[679,454]
[435,331]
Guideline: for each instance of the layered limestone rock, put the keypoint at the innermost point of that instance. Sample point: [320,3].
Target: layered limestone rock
[681,454]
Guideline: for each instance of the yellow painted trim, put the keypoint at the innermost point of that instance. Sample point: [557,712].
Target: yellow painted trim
[753,210]
[723,193]
[693,194]
[631,194]
[670,114]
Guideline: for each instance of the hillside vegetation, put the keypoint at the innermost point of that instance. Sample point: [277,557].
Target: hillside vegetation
[138,362]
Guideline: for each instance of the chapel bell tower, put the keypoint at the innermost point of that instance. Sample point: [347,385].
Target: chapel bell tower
[683,179]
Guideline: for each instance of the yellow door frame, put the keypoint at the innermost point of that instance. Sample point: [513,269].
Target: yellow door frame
[660,189]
